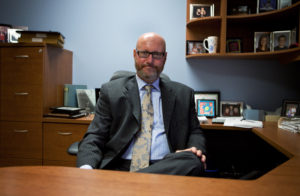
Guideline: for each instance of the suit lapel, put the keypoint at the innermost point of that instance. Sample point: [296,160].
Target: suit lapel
[168,102]
[131,93]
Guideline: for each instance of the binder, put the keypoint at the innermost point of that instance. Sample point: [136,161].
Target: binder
[70,97]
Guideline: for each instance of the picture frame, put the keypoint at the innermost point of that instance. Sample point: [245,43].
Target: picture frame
[206,107]
[284,3]
[293,36]
[262,41]
[281,40]
[201,10]
[290,108]
[233,46]
[195,47]
[208,95]
[266,5]
[13,35]
[231,109]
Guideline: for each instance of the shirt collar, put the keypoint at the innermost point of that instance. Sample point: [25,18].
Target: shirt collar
[141,83]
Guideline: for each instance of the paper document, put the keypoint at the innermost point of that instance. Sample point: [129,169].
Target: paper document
[243,123]
[202,119]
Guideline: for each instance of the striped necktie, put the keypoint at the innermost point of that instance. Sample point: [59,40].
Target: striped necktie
[141,149]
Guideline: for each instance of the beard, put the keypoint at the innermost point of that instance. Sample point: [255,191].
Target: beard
[148,76]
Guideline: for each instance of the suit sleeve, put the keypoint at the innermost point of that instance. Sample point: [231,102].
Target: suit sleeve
[196,138]
[91,146]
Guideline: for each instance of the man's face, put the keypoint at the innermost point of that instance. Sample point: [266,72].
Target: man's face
[282,41]
[149,68]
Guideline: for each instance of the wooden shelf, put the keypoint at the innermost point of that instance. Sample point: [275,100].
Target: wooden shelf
[268,15]
[288,55]
[204,21]
[243,27]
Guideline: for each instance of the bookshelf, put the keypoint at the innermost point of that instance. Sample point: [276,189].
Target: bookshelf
[227,26]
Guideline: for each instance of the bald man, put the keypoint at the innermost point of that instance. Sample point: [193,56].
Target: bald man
[177,144]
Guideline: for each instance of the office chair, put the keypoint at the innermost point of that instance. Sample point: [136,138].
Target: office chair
[73,148]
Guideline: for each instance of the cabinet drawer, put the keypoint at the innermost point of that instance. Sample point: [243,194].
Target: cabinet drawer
[22,65]
[21,140]
[21,102]
[57,139]
[5,162]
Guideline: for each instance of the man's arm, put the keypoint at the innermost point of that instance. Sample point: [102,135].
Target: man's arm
[91,147]
[196,142]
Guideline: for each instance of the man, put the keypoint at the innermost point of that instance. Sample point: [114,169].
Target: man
[177,144]
[281,43]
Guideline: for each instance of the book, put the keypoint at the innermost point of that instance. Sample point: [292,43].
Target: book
[66,110]
[70,98]
[86,99]
[48,37]
[65,115]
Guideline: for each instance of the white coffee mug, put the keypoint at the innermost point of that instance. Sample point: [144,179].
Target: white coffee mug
[212,42]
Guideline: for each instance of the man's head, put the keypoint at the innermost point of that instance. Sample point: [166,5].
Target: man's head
[281,41]
[150,56]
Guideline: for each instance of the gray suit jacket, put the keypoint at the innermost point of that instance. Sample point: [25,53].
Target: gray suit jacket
[118,119]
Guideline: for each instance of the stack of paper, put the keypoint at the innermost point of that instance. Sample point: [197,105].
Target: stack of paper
[289,124]
[236,122]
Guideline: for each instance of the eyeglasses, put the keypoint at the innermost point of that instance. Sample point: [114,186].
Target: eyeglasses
[155,55]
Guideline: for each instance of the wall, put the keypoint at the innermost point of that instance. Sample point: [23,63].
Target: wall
[103,33]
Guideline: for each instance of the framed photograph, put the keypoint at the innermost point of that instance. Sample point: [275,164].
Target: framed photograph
[262,41]
[281,40]
[231,109]
[266,5]
[209,95]
[195,47]
[233,46]
[206,108]
[284,3]
[294,36]
[13,35]
[201,10]
[290,108]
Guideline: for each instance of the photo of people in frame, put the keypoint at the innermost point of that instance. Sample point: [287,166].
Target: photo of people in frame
[267,5]
[201,10]
[281,40]
[262,41]
[232,109]
[291,110]
[195,47]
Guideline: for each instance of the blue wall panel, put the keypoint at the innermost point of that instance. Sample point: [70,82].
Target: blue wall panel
[103,33]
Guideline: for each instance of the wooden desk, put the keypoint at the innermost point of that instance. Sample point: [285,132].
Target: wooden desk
[47,180]
[57,181]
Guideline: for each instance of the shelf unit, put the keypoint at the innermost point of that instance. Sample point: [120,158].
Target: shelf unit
[227,26]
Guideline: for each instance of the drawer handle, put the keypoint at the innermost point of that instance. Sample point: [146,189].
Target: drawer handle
[21,131]
[64,133]
[22,94]
[25,56]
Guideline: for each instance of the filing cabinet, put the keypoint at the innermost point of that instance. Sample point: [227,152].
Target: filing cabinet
[57,138]
[32,78]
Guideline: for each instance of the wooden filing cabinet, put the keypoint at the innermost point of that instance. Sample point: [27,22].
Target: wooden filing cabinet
[32,78]
[57,139]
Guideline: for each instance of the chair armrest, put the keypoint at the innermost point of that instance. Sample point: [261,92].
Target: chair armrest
[73,149]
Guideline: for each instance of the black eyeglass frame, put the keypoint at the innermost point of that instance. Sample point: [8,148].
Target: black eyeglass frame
[147,53]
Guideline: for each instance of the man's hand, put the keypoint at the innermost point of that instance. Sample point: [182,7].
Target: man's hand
[196,152]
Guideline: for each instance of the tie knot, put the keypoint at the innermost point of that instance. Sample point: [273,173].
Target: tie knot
[148,88]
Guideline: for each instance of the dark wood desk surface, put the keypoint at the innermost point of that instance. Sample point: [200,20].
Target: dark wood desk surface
[283,180]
